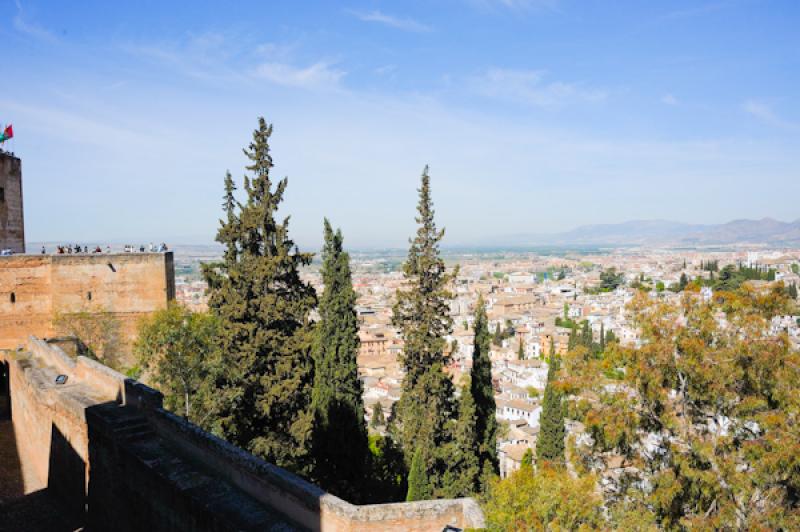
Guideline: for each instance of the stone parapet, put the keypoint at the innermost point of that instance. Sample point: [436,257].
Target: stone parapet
[112,437]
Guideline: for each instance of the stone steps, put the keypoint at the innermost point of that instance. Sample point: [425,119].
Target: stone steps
[197,486]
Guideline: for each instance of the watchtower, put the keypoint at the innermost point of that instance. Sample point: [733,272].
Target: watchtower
[12,223]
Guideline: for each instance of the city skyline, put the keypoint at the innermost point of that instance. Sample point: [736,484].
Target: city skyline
[534,117]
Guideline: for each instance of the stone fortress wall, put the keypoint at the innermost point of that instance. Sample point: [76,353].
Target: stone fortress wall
[104,445]
[34,289]
[12,226]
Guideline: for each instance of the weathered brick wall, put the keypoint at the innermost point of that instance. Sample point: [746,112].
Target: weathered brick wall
[12,225]
[34,289]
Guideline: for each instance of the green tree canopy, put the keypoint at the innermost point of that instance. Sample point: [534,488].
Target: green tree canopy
[175,346]
[718,401]
[263,387]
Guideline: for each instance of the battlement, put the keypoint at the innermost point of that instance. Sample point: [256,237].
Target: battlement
[36,289]
[104,445]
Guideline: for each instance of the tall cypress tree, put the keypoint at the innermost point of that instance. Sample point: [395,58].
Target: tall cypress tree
[339,443]
[586,336]
[550,445]
[483,391]
[573,337]
[422,314]
[463,474]
[602,338]
[263,381]
[419,488]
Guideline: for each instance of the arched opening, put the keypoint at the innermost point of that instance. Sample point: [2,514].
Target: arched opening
[89,296]
[13,297]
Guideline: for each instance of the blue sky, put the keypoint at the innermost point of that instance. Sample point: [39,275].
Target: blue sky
[534,115]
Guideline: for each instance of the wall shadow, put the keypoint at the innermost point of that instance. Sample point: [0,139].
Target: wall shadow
[5,391]
[66,478]
[12,485]
[60,506]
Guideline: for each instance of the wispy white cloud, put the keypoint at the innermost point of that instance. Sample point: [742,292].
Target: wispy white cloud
[669,99]
[320,75]
[215,57]
[530,87]
[764,112]
[27,27]
[400,23]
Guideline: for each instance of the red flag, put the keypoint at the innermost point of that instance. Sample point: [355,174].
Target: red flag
[9,132]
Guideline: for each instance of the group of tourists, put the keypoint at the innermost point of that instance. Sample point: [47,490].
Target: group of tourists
[152,248]
[69,249]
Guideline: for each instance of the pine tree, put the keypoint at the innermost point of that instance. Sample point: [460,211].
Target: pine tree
[521,350]
[482,391]
[339,442]
[550,445]
[263,379]
[418,487]
[422,314]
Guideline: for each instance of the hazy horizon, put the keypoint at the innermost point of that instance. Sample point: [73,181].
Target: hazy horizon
[536,116]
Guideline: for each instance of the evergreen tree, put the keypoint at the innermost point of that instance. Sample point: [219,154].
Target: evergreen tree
[586,335]
[422,314]
[339,442]
[263,379]
[463,474]
[521,350]
[418,487]
[573,337]
[602,338]
[497,339]
[377,415]
[550,445]
[482,392]
[792,290]
[683,282]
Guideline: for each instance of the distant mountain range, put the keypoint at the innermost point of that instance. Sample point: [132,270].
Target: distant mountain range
[668,233]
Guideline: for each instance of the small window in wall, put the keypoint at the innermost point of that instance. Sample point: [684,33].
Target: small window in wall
[13,297]
[89,296]
[2,195]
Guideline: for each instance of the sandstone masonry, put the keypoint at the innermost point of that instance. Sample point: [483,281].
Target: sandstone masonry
[35,289]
